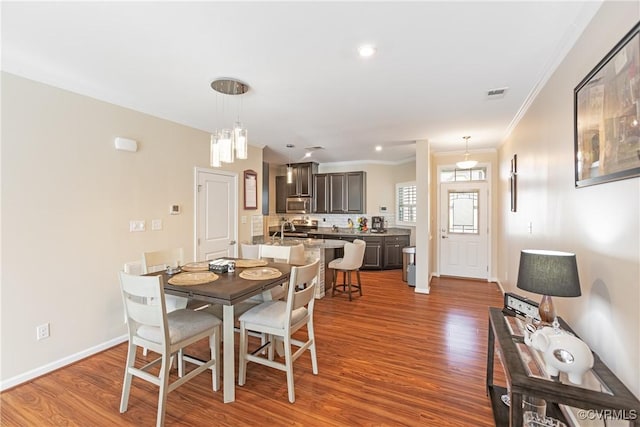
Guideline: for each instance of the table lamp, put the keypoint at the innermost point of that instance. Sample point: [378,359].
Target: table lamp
[548,273]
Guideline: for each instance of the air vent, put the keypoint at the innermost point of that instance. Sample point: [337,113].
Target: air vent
[317,147]
[496,93]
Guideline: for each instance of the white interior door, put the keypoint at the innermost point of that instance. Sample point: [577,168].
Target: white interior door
[464,229]
[216,214]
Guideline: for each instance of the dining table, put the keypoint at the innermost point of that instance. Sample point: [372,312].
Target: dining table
[228,289]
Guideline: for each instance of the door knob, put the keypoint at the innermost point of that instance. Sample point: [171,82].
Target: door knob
[232,242]
[445,237]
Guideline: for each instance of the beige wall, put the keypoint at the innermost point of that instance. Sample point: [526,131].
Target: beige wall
[599,223]
[67,198]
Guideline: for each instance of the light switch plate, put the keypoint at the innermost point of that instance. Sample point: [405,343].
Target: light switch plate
[156,224]
[137,225]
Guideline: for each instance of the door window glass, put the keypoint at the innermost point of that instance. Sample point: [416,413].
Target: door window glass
[463,212]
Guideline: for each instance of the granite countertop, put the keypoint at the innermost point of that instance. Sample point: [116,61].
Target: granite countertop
[355,232]
[308,243]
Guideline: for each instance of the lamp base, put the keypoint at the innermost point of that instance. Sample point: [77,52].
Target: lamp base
[547,310]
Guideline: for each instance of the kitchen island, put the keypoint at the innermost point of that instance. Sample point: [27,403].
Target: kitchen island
[322,249]
[383,251]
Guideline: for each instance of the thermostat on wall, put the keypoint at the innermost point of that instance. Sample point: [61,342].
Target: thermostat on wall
[174,210]
[383,208]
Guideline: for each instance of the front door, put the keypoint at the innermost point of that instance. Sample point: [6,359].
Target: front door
[463,229]
[216,214]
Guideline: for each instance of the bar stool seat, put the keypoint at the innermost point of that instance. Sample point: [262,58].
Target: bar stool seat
[350,262]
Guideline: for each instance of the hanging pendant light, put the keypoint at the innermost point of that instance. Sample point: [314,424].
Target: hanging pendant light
[240,141]
[289,167]
[215,151]
[229,143]
[466,163]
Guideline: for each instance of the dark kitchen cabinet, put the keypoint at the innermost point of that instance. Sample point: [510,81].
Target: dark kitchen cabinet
[393,250]
[347,192]
[302,185]
[281,194]
[321,193]
[373,253]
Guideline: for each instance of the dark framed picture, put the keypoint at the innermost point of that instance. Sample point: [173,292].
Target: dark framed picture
[250,189]
[607,115]
[513,183]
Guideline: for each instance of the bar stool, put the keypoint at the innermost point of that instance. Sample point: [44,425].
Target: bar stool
[351,261]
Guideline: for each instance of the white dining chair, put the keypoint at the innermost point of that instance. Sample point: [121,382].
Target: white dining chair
[159,260]
[165,333]
[350,262]
[275,253]
[248,251]
[279,320]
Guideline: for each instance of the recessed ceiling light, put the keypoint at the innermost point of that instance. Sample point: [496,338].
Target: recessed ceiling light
[378,148]
[366,50]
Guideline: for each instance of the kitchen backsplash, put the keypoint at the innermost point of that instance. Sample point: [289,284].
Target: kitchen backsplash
[340,221]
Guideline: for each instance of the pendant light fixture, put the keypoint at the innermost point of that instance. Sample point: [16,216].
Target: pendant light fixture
[466,163]
[289,167]
[229,143]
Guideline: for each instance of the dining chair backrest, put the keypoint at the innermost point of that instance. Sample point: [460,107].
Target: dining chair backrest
[137,292]
[297,256]
[276,252]
[249,251]
[353,255]
[302,283]
[160,260]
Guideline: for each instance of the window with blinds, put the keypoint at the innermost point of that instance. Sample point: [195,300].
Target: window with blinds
[406,200]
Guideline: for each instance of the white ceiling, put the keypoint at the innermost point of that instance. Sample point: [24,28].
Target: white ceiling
[435,63]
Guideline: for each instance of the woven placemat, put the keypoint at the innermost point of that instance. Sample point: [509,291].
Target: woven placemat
[263,273]
[196,266]
[193,278]
[244,263]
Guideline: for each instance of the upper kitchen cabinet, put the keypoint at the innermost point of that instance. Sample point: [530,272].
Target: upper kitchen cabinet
[321,193]
[340,192]
[302,185]
[281,194]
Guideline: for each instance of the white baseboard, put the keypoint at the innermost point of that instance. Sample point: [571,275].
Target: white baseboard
[50,367]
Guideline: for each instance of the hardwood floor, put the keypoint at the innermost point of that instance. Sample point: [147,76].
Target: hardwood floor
[389,358]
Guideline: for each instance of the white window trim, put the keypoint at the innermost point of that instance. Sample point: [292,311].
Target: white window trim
[397,204]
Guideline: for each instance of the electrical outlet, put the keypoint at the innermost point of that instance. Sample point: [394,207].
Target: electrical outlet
[42,331]
[137,225]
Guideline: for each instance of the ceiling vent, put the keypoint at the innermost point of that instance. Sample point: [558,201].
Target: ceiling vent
[317,147]
[496,93]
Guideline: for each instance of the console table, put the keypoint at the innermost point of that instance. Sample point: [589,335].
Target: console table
[619,399]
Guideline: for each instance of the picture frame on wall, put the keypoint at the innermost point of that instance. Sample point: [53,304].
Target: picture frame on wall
[250,189]
[607,116]
[513,183]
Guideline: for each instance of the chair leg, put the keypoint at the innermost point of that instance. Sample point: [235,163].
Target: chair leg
[180,363]
[312,347]
[126,385]
[288,360]
[214,344]
[335,282]
[164,387]
[359,282]
[349,285]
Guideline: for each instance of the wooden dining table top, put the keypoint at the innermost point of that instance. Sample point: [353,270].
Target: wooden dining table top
[228,288]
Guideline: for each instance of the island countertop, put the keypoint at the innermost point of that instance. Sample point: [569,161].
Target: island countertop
[328,231]
[308,243]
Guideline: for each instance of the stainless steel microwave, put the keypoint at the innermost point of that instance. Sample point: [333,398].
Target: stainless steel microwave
[300,205]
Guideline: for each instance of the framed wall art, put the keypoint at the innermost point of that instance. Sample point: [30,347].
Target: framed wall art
[513,183]
[607,116]
[250,189]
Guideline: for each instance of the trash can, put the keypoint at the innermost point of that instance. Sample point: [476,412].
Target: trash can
[408,258]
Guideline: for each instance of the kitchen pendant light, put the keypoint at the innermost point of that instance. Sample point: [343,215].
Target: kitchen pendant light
[229,143]
[289,167]
[466,163]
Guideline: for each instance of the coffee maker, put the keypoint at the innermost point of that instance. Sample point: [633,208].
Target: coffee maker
[377,224]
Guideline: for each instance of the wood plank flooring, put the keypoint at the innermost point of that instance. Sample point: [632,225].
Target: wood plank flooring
[389,358]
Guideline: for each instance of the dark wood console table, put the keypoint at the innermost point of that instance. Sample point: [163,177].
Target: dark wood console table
[620,400]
